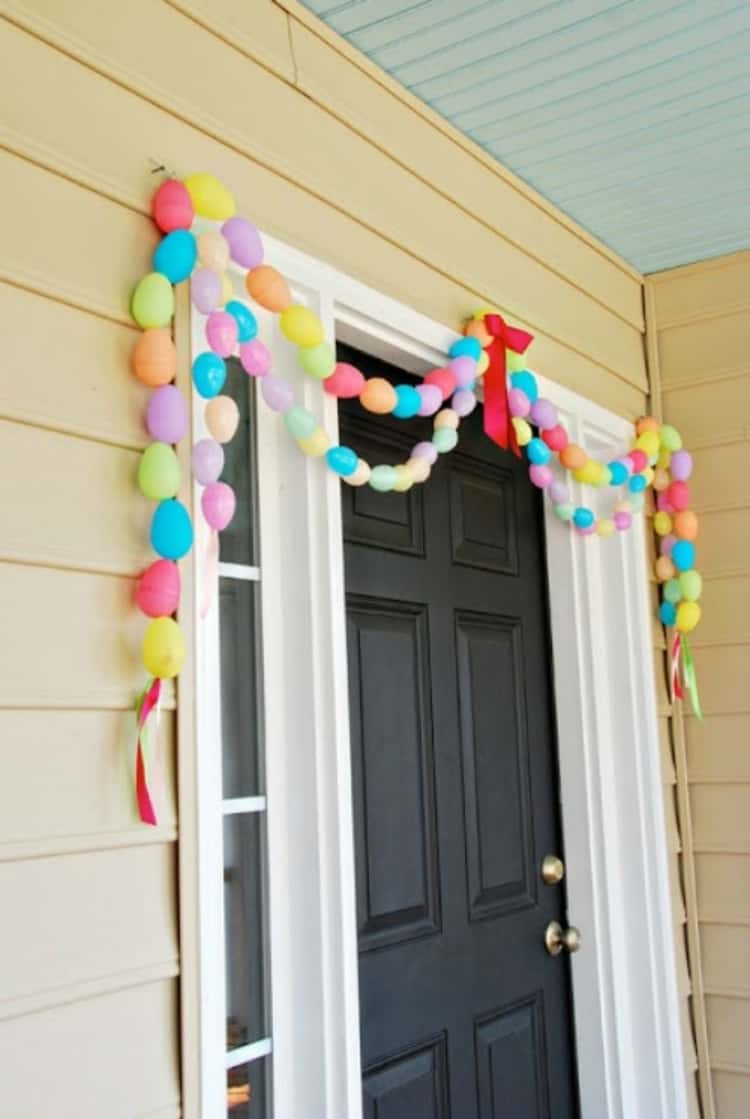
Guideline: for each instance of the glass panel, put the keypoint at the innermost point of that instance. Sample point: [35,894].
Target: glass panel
[244,916]
[238,541]
[248,1095]
[240,713]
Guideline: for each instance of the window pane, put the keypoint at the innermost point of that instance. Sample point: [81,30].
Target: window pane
[238,541]
[248,1096]
[244,915]
[240,713]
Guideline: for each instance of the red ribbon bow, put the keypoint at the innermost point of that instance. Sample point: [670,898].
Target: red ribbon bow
[497,419]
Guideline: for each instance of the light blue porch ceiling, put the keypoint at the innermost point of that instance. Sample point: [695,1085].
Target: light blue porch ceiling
[632,117]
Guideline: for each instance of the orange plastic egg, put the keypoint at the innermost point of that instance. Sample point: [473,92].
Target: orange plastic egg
[154,359]
[573,457]
[268,287]
[665,569]
[378,396]
[646,423]
[685,525]
[477,329]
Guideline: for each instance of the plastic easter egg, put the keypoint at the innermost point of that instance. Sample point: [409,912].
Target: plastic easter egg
[420,469]
[430,399]
[163,649]
[247,324]
[159,472]
[666,544]
[683,555]
[523,431]
[175,256]
[663,504]
[588,473]
[671,591]
[171,530]
[464,369]
[167,415]
[404,478]
[559,493]
[227,289]
[618,473]
[342,460]
[425,450]
[361,475]
[670,437]
[269,288]
[637,483]
[255,358]
[315,444]
[681,465]
[540,475]
[638,459]
[318,361]
[382,478]
[605,528]
[538,452]
[464,402]
[172,206]
[221,333]
[555,437]
[205,290]
[447,417]
[661,480]
[518,403]
[444,379]
[301,325]
[378,396]
[207,461]
[663,459]
[646,423]
[213,250]
[565,511]
[583,517]
[154,359]
[157,593]
[543,413]
[686,525]
[526,382]
[299,422]
[573,457]
[277,393]
[662,524]
[664,568]
[691,585]
[210,197]
[152,304]
[678,496]
[466,347]
[688,616]
[445,439]
[245,245]
[346,381]
[222,418]
[623,521]
[218,503]
[667,613]
[648,442]
[477,329]
[408,402]
[209,374]
[483,364]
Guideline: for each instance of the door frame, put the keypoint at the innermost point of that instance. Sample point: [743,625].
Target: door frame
[625,994]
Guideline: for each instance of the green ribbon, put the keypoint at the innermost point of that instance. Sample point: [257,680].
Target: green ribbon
[691,678]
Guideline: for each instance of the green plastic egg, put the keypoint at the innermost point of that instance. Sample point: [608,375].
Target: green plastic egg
[159,472]
[153,301]
[299,422]
[318,361]
[672,591]
[691,585]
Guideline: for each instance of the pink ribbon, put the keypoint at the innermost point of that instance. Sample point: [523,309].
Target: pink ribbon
[676,653]
[210,579]
[146,705]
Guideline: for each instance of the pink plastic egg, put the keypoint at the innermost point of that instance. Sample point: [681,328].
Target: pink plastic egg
[540,475]
[346,381]
[221,333]
[157,593]
[623,521]
[556,437]
[218,503]
[445,379]
[172,206]
[518,403]
[678,496]
[639,459]
[255,358]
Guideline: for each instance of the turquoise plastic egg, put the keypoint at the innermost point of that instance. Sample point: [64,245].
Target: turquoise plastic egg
[526,382]
[342,460]
[408,402]
[209,374]
[247,324]
[538,452]
[175,256]
[466,347]
[171,530]
[667,613]
[583,517]
[683,555]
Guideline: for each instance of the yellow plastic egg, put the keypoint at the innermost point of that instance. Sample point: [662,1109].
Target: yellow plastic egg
[664,459]
[648,442]
[446,418]
[483,363]
[301,325]
[316,444]
[210,197]
[588,473]
[227,288]
[404,478]
[662,524]
[523,431]
[163,648]
[605,527]
[688,616]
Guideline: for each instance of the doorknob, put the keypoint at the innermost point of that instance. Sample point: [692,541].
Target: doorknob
[553,870]
[556,938]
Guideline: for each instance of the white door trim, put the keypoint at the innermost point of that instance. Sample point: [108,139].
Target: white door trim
[628,1033]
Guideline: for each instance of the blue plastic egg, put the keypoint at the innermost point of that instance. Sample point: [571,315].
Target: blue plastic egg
[209,374]
[175,256]
[583,517]
[408,402]
[247,324]
[683,555]
[667,613]
[526,382]
[619,473]
[637,483]
[171,530]
[466,347]
[342,460]
[538,452]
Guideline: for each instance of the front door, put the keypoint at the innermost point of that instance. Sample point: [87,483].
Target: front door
[464,1015]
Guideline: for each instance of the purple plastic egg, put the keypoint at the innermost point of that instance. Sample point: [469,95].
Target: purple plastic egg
[221,333]
[432,399]
[559,493]
[218,504]
[465,369]
[167,415]
[255,358]
[427,451]
[519,403]
[540,475]
[205,288]
[207,461]
[681,465]
[245,245]
[543,413]
[666,544]
[464,402]
[277,394]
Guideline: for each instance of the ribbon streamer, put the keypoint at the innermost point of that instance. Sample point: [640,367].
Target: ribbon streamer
[676,653]
[145,704]
[210,574]
[691,680]
[497,419]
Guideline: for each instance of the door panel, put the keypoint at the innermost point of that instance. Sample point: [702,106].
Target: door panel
[463,1013]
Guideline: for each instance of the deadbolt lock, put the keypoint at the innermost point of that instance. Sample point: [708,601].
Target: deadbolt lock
[553,870]
[556,938]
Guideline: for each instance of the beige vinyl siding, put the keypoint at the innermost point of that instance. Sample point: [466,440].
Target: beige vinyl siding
[331,156]
[702,331]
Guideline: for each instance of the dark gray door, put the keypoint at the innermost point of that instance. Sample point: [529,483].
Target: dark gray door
[463,1013]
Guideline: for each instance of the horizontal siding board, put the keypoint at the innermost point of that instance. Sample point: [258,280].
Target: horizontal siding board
[726,610]
[707,349]
[72,786]
[732,1093]
[724,950]
[723,888]
[720,817]
[115,1055]
[94,517]
[718,748]
[719,478]
[729,1028]
[88,900]
[708,414]
[723,674]
[710,288]
[379,196]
